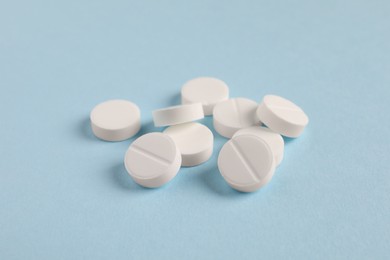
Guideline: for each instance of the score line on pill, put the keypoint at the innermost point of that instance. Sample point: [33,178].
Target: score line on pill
[153,160]
[246,162]
[274,140]
[234,114]
[282,116]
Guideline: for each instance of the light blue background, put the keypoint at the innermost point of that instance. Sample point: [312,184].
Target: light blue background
[66,195]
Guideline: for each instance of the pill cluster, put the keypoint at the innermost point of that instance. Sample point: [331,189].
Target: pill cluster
[248,159]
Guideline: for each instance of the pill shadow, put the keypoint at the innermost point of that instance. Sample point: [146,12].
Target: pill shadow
[288,140]
[208,121]
[121,179]
[147,127]
[84,129]
[215,182]
[175,100]
[210,176]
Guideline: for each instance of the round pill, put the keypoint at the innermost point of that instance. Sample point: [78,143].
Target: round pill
[274,140]
[206,90]
[282,116]
[178,114]
[115,120]
[246,162]
[195,142]
[153,160]
[231,115]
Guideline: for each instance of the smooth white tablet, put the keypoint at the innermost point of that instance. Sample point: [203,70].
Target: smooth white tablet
[246,162]
[178,114]
[153,160]
[206,90]
[274,140]
[115,120]
[234,114]
[195,142]
[282,116]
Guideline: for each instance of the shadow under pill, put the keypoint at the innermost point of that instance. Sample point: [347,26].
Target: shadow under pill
[213,180]
[175,100]
[147,127]
[121,179]
[208,121]
[84,129]
[288,140]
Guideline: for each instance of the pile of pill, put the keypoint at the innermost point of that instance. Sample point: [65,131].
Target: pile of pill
[248,159]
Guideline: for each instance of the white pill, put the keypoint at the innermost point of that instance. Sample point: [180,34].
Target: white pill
[282,116]
[195,142]
[115,120]
[234,114]
[178,114]
[274,140]
[206,90]
[153,160]
[246,162]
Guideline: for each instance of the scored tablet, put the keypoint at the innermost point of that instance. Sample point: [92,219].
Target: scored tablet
[282,116]
[234,114]
[246,162]
[153,160]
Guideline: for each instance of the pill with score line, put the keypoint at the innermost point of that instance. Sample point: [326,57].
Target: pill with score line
[153,160]
[234,114]
[246,162]
[282,116]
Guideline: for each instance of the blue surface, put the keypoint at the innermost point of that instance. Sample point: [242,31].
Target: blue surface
[66,195]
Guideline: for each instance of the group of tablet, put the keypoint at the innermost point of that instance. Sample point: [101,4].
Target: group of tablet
[248,159]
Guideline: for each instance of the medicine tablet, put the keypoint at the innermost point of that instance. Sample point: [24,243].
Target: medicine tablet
[195,142]
[274,140]
[115,120]
[234,114]
[246,162]
[282,116]
[206,90]
[178,114]
[153,160]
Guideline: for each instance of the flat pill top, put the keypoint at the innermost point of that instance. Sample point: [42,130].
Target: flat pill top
[115,114]
[236,112]
[286,110]
[201,137]
[246,160]
[150,155]
[205,90]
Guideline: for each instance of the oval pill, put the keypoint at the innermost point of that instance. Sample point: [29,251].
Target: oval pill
[178,114]
[195,142]
[231,115]
[274,140]
[115,120]
[282,116]
[153,160]
[246,163]
[206,90]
